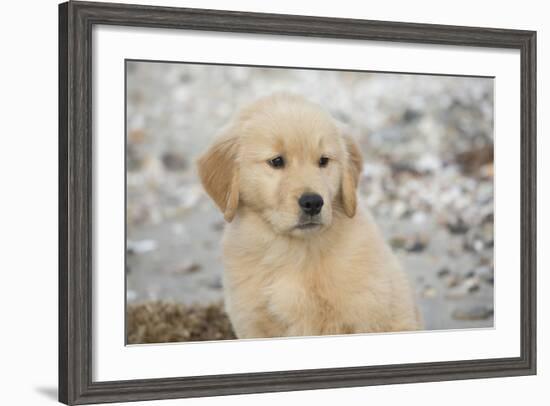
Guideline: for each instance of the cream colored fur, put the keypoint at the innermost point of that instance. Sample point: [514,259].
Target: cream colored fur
[337,278]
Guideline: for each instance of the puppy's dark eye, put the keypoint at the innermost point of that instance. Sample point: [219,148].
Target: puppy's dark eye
[277,162]
[323,161]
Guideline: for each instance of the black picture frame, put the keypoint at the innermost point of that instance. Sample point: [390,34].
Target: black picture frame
[76,20]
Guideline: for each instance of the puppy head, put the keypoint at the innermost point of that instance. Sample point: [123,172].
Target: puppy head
[285,159]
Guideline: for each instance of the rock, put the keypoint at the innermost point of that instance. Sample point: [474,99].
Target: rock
[173,161]
[141,247]
[215,283]
[470,161]
[473,313]
[474,243]
[410,115]
[399,209]
[488,218]
[428,163]
[134,160]
[419,217]
[461,290]
[416,244]
[470,274]
[136,136]
[478,245]
[399,168]
[486,274]
[218,225]
[472,284]
[450,279]
[131,295]
[443,272]
[189,195]
[473,288]
[187,267]
[429,292]
[457,226]
[398,242]
[453,281]
[373,170]
[193,268]
[487,171]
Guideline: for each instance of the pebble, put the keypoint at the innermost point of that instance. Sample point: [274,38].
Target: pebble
[398,242]
[418,244]
[141,246]
[443,272]
[486,274]
[189,195]
[174,162]
[471,282]
[453,280]
[215,283]
[462,290]
[428,163]
[478,245]
[188,267]
[475,244]
[473,288]
[136,136]
[218,226]
[411,115]
[131,295]
[399,209]
[419,217]
[473,313]
[429,292]
[457,226]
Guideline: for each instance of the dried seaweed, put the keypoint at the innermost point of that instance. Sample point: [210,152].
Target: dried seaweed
[162,322]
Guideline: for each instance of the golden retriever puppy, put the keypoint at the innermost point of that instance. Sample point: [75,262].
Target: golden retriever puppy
[301,256]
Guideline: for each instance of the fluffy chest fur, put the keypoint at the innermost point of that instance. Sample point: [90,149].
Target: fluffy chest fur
[330,285]
[311,298]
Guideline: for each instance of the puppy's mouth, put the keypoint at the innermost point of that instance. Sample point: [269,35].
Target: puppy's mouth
[307,226]
[308,223]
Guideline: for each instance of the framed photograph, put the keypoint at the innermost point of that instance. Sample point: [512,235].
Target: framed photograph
[257,202]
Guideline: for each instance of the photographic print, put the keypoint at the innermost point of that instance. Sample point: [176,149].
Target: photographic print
[267,202]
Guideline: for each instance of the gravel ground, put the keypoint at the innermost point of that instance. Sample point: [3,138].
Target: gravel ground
[428,178]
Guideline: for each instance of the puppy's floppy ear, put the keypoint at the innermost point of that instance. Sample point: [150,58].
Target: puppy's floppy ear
[219,172]
[353,166]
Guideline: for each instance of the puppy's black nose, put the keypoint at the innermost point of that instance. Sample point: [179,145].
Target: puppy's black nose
[311,203]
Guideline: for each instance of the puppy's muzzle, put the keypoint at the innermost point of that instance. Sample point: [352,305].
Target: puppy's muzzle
[311,203]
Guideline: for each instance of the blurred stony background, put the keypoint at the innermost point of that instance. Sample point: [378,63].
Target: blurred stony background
[428,178]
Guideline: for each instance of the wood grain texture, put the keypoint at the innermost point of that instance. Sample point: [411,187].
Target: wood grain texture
[76,20]
[63,363]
